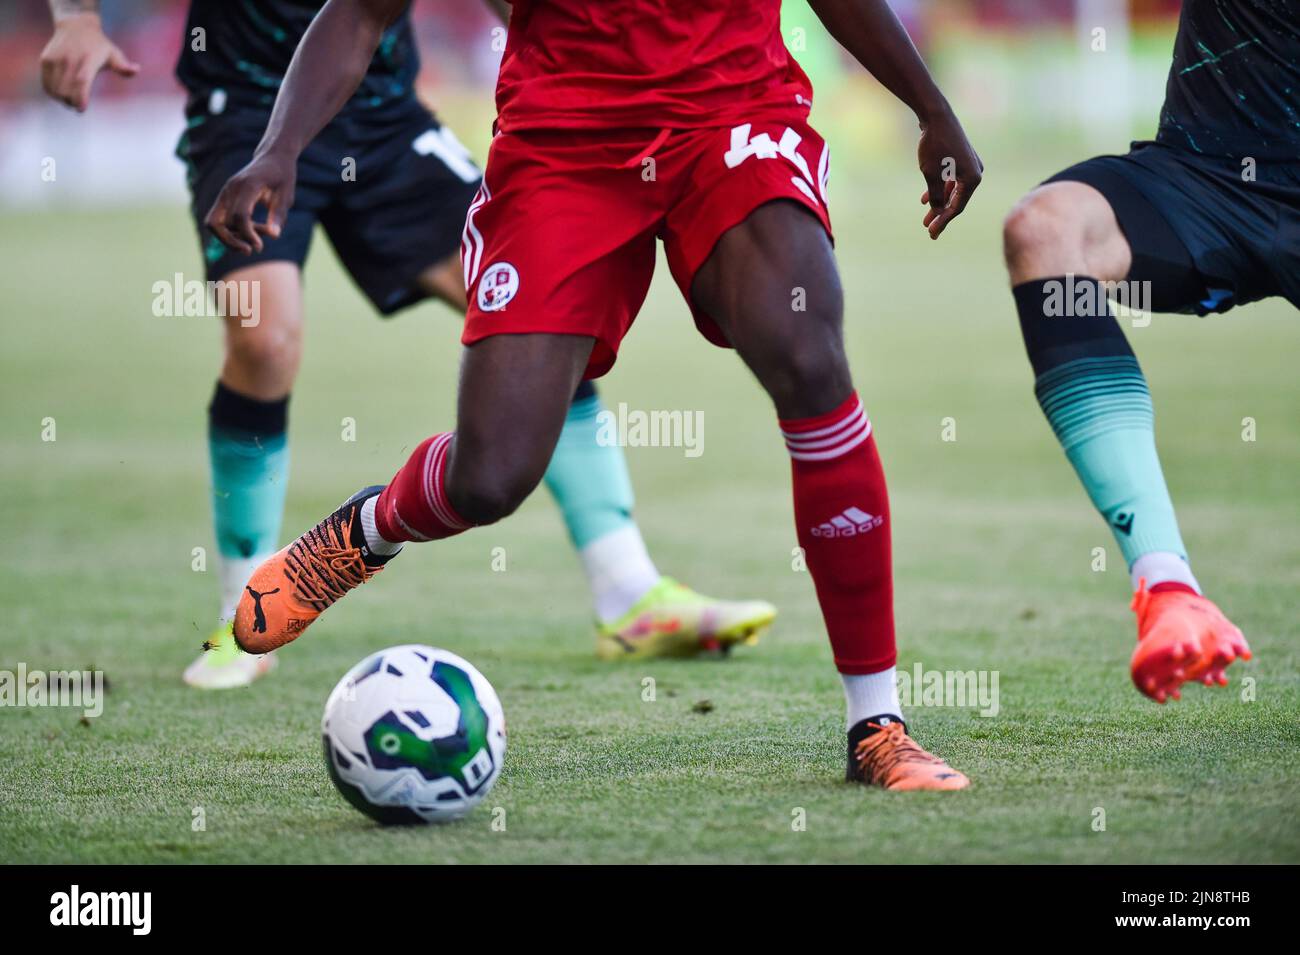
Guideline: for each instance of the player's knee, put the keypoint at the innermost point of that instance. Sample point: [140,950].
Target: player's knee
[265,351]
[809,372]
[1063,228]
[1035,225]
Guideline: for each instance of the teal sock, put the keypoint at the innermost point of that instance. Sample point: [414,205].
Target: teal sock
[1101,412]
[249,456]
[589,481]
[1093,392]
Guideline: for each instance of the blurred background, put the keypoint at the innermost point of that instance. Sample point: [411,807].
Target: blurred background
[1020,70]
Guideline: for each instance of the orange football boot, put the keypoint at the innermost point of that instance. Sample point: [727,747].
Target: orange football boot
[1182,637]
[891,759]
[296,585]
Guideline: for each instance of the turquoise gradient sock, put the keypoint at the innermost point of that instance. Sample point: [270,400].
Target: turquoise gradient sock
[1101,412]
[589,481]
[1092,390]
[248,452]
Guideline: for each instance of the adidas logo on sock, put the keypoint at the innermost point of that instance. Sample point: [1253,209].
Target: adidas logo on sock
[848,523]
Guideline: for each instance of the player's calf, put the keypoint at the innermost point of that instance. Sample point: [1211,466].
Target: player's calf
[515,393]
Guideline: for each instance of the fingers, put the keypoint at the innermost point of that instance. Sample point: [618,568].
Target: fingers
[64,80]
[275,209]
[54,64]
[79,84]
[70,80]
[935,190]
[231,219]
[941,217]
[936,210]
[51,75]
[958,195]
[120,64]
[76,53]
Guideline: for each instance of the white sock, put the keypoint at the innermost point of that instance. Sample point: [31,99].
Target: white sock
[871,694]
[1160,567]
[234,573]
[374,540]
[619,571]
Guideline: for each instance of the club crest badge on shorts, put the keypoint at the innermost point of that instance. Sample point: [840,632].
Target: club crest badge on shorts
[499,284]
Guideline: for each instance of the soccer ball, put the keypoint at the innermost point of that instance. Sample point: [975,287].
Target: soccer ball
[414,734]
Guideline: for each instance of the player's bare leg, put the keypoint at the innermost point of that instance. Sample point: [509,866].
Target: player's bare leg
[249,456]
[1065,236]
[263,349]
[639,611]
[1064,227]
[841,505]
[445,281]
[514,395]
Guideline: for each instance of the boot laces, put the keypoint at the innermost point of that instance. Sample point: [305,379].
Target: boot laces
[888,749]
[324,565]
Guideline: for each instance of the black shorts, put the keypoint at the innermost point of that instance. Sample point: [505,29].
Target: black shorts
[391,190]
[1205,237]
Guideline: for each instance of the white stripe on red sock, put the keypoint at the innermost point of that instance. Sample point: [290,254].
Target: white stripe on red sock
[831,441]
[435,466]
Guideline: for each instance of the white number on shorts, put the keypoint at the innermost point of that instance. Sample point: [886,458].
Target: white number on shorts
[444,144]
[762,147]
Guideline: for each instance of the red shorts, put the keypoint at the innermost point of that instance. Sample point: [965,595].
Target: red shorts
[561,237]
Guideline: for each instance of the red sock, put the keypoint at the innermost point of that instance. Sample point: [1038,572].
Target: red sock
[414,506]
[841,512]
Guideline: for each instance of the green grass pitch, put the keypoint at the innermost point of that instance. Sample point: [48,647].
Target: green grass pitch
[993,537]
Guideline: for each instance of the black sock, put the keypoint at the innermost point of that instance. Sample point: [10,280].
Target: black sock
[1064,318]
[231,411]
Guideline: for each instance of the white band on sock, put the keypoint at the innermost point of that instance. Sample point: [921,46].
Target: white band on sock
[871,694]
[619,571]
[234,573]
[1161,566]
[374,540]
[833,441]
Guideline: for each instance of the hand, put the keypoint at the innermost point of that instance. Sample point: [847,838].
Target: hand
[267,180]
[951,169]
[75,55]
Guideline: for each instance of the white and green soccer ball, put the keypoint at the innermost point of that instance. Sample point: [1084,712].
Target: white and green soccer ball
[414,734]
